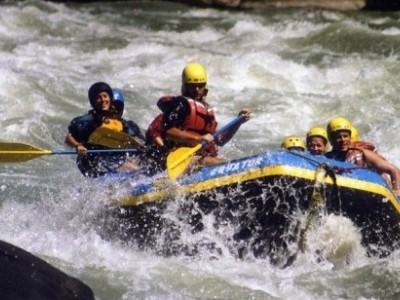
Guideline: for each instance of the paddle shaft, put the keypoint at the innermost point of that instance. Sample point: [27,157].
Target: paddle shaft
[61,152]
[11,152]
[225,127]
[65,152]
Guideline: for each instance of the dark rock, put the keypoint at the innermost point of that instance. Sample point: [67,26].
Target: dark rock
[25,276]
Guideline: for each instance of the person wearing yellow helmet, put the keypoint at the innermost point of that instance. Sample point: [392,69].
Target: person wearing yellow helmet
[193,73]
[194,81]
[356,143]
[358,146]
[355,136]
[293,142]
[317,141]
[339,134]
[188,120]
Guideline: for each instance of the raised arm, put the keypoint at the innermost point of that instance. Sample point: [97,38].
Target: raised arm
[225,137]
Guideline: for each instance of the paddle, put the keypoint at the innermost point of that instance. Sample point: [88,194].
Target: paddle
[19,152]
[114,139]
[178,160]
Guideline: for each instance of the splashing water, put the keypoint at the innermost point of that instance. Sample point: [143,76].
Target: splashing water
[293,68]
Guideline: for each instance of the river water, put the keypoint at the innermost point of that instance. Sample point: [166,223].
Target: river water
[294,68]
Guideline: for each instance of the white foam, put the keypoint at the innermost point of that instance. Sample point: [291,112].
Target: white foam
[336,239]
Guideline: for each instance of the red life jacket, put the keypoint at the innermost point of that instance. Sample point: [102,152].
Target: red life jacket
[363,145]
[200,121]
[113,124]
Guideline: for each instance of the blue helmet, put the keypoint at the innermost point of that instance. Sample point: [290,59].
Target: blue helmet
[118,100]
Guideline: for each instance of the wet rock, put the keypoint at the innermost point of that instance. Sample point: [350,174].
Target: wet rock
[25,276]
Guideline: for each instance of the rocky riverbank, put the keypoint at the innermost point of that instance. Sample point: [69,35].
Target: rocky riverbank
[273,4]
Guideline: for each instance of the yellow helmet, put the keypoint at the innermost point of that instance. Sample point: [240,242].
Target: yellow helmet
[194,73]
[293,141]
[354,135]
[337,124]
[317,131]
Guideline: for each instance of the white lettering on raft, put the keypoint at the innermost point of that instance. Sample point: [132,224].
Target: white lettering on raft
[236,166]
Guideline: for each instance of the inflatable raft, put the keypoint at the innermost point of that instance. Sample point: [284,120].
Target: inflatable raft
[261,205]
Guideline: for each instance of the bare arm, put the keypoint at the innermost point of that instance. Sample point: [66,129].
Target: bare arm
[181,136]
[225,137]
[381,165]
[72,142]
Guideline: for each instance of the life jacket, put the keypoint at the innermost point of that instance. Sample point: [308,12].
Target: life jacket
[201,119]
[133,129]
[113,124]
[363,145]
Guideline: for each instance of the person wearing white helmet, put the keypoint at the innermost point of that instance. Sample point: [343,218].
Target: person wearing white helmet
[188,119]
[339,134]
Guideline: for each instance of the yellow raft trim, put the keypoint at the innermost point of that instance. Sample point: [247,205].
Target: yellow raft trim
[165,189]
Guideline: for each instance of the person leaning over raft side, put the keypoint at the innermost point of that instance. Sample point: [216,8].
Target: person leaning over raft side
[317,141]
[293,143]
[103,114]
[339,134]
[187,120]
[358,145]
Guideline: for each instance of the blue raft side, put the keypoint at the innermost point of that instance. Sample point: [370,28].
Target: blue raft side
[142,185]
[297,159]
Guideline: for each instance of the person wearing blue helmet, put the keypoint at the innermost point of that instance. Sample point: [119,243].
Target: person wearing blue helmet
[105,114]
[119,100]
[130,126]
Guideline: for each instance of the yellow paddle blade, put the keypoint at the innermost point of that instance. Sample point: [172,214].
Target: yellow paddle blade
[113,139]
[179,160]
[18,152]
